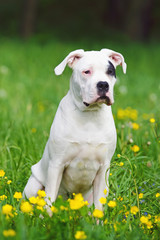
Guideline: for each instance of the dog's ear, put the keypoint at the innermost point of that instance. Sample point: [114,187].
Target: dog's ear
[116,58]
[71,59]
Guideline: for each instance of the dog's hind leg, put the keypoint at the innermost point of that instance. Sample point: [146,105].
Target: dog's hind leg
[32,187]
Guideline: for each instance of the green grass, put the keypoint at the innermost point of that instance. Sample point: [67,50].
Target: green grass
[29,96]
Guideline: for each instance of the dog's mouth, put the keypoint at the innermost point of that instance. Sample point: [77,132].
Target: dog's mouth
[101,99]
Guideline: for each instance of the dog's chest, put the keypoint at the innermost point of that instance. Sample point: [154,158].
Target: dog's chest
[81,170]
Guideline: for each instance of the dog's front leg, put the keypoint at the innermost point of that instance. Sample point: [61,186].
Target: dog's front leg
[54,177]
[99,186]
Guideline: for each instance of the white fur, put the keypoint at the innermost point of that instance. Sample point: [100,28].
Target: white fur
[82,139]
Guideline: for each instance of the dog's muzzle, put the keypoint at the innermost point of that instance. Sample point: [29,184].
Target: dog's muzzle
[102,90]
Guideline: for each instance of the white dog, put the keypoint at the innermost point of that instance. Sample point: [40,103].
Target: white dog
[82,139]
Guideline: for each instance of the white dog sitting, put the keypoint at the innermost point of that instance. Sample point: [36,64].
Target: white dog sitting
[82,139]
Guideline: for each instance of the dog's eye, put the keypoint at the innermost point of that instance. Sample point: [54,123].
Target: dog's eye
[111,70]
[87,72]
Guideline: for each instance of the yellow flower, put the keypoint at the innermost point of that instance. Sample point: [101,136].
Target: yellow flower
[41,107]
[110,174]
[127,213]
[2,173]
[26,207]
[41,202]
[33,200]
[41,193]
[33,130]
[80,235]
[77,202]
[149,225]
[134,210]
[120,199]
[54,209]
[152,120]
[103,200]
[40,208]
[98,213]
[157,219]
[17,195]
[105,191]
[105,221]
[3,197]
[157,195]
[144,220]
[7,209]
[9,233]
[135,126]
[112,204]
[135,148]
[63,208]
[9,182]
[120,114]
[121,164]
[118,155]
[140,195]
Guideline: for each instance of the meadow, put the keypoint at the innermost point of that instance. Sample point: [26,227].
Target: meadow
[29,97]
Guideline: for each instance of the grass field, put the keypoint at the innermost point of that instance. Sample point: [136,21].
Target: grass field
[29,96]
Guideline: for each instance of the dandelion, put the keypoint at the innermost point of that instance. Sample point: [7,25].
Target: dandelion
[144,220]
[33,200]
[135,126]
[3,197]
[103,200]
[140,195]
[9,233]
[120,199]
[77,202]
[157,195]
[105,191]
[149,225]
[105,221]
[112,204]
[17,195]
[110,174]
[41,107]
[135,148]
[41,202]
[33,130]
[121,164]
[2,173]
[40,208]
[41,193]
[9,182]
[118,155]
[157,219]
[26,207]
[80,235]
[63,208]
[134,210]
[54,209]
[152,120]
[7,209]
[98,213]
[126,214]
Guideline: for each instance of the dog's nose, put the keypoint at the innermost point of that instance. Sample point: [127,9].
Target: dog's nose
[102,86]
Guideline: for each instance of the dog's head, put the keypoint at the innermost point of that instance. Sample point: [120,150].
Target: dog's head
[93,76]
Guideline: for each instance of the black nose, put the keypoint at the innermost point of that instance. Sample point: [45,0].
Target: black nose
[103,86]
